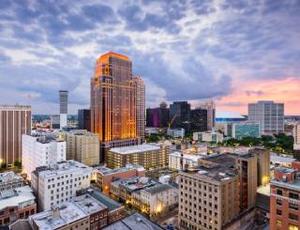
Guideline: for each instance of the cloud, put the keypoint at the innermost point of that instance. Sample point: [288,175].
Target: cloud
[184,49]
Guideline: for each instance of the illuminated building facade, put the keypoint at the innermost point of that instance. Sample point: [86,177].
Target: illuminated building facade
[14,121]
[114,102]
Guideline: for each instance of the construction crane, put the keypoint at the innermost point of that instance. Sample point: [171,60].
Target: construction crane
[172,120]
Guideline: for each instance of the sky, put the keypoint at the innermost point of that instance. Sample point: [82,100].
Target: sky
[231,51]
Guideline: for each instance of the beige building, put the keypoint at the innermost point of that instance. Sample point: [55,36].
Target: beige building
[83,146]
[209,196]
[150,156]
[263,165]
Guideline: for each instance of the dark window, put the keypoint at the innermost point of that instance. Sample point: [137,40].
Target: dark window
[279,202]
[293,206]
[279,192]
[293,216]
[293,195]
[278,212]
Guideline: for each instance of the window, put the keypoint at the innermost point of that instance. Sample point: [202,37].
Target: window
[279,202]
[293,195]
[293,216]
[293,206]
[293,227]
[278,224]
[279,192]
[278,212]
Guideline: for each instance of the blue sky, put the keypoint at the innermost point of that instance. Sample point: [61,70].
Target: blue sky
[233,51]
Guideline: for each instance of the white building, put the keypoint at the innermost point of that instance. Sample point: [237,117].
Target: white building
[208,136]
[10,180]
[176,133]
[159,198]
[269,115]
[41,150]
[60,182]
[296,135]
[187,159]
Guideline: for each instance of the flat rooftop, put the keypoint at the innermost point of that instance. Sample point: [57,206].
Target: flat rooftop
[107,171]
[275,159]
[158,188]
[61,168]
[135,183]
[135,149]
[16,197]
[109,203]
[135,221]
[9,176]
[88,204]
[67,213]
[192,157]
[218,167]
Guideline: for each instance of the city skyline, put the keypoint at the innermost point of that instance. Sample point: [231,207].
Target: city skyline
[231,51]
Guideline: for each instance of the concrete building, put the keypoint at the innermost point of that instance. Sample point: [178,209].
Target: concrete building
[105,176]
[209,196]
[82,146]
[114,119]
[284,201]
[55,121]
[187,159]
[17,203]
[84,119]
[150,156]
[63,108]
[10,180]
[176,133]
[269,115]
[58,183]
[140,107]
[245,129]
[199,121]
[208,136]
[180,115]
[41,150]
[263,165]
[14,121]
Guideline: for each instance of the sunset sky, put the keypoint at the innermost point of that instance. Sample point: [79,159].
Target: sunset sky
[232,51]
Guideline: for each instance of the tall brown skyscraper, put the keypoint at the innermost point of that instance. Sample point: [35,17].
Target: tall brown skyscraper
[14,121]
[140,107]
[115,102]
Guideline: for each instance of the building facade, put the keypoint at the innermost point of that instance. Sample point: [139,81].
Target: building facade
[82,146]
[296,136]
[114,103]
[17,203]
[41,150]
[84,119]
[208,136]
[211,113]
[14,121]
[10,180]
[150,156]
[269,115]
[180,115]
[105,176]
[241,130]
[59,183]
[140,107]
[284,200]
[63,108]
[199,121]
[158,117]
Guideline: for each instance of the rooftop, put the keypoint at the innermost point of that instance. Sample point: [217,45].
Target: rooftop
[107,171]
[9,176]
[109,203]
[192,157]
[135,149]
[61,168]
[133,222]
[53,219]
[135,183]
[158,188]
[16,197]
[281,159]
[218,167]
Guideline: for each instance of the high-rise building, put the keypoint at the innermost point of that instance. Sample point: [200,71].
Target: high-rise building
[63,108]
[114,103]
[211,113]
[140,107]
[56,184]
[158,117]
[84,119]
[180,115]
[198,120]
[83,146]
[296,135]
[269,115]
[41,150]
[14,121]
[284,199]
